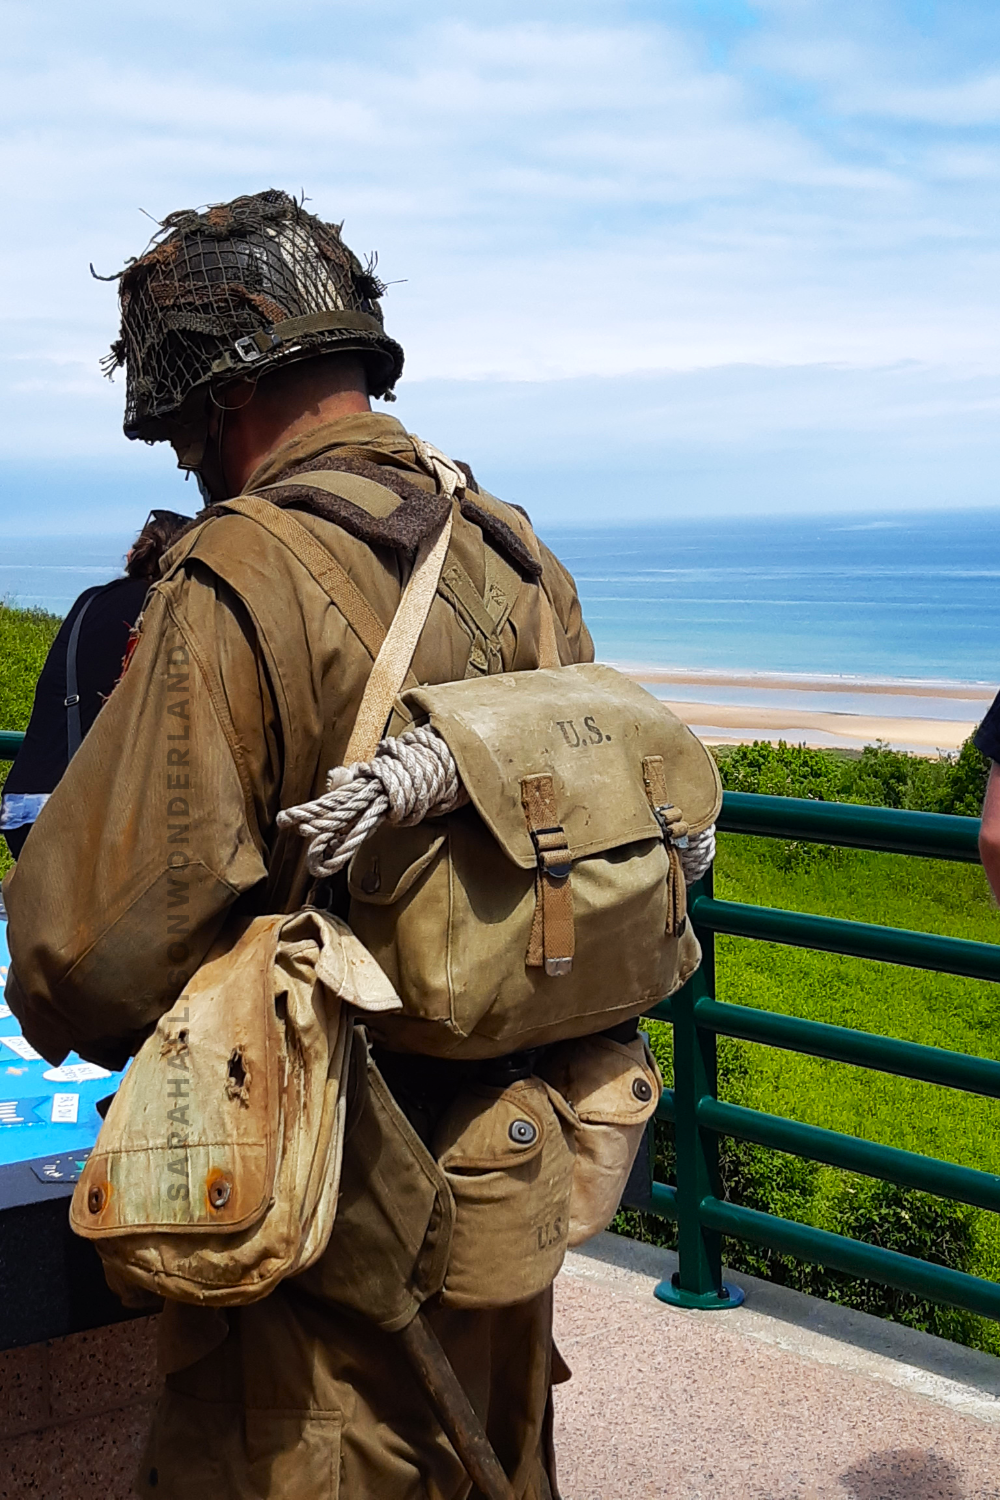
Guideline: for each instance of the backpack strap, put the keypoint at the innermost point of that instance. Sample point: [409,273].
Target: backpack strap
[392,665]
[548,645]
[74,727]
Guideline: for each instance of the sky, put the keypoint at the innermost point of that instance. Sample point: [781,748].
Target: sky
[693,258]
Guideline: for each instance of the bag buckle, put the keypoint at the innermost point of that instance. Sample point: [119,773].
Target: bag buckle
[552,940]
[552,851]
[668,825]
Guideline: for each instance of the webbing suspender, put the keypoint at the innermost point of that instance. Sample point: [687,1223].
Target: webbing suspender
[74,728]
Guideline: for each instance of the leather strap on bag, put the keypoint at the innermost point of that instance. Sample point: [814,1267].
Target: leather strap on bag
[551,943]
[671,821]
[396,653]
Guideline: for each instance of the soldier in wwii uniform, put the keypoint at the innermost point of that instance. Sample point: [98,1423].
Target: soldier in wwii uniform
[253,342]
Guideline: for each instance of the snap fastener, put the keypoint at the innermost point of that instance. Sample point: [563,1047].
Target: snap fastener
[642,1090]
[218,1193]
[522,1132]
[96,1199]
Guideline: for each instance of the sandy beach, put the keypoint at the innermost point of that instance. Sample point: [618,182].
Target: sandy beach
[925,717]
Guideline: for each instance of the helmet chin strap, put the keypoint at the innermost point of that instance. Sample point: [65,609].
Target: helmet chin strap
[201,456]
[211,472]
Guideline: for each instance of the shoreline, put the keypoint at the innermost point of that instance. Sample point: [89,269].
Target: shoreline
[818,682]
[931,730]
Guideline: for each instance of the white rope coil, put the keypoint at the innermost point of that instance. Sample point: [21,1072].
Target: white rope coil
[698,854]
[408,779]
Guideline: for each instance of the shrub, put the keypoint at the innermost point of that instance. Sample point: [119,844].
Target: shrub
[941,1009]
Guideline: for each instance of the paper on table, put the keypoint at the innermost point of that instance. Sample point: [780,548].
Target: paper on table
[23,1048]
[74,1072]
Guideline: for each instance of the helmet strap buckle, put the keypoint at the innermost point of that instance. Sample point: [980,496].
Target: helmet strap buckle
[248,349]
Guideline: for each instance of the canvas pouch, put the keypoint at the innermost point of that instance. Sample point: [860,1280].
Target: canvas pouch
[508,1159]
[217,1169]
[553,905]
[612,1090]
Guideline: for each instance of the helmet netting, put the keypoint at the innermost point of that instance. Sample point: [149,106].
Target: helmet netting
[210,278]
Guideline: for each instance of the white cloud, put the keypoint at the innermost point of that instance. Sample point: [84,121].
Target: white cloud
[583,194]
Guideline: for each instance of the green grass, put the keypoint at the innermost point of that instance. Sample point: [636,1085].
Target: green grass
[25,638]
[938,1009]
[941,1010]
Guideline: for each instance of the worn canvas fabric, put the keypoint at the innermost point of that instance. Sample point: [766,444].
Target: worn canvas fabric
[508,1159]
[240,695]
[294,1399]
[611,1090]
[552,906]
[217,1170]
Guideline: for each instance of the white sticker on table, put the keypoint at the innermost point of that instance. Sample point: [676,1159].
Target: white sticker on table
[75,1073]
[4,1012]
[65,1109]
[24,1050]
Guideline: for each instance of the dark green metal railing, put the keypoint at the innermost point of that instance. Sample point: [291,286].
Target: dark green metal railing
[700,1117]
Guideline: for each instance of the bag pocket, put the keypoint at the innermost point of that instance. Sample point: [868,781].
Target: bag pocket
[612,1089]
[509,1163]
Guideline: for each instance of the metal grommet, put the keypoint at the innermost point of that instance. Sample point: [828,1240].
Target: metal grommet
[218,1192]
[523,1133]
[642,1090]
[96,1199]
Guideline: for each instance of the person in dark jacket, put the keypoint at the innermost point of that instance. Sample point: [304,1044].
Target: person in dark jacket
[79,673]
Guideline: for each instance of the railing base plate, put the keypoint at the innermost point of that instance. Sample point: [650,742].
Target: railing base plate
[674,1295]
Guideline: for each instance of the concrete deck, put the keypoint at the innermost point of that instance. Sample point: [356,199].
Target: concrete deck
[784,1398]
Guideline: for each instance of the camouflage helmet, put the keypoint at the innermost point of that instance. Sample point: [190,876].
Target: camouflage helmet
[236,291]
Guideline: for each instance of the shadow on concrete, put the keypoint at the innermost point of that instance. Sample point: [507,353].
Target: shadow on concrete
[907,1474]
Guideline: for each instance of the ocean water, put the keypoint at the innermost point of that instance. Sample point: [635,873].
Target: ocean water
[897,597]
[49,572]
[913,596]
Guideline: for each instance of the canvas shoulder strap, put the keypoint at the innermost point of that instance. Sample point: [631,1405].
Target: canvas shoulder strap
[548,644]
[392,664]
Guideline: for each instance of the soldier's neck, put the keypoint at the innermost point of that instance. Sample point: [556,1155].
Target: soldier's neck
[250,436]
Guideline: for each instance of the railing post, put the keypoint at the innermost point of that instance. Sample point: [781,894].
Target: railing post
[698,1282]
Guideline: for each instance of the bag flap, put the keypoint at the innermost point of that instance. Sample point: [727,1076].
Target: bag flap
[586,726]
[606,1082]
[192,1140]
[189,1143]
[490,1129]
[348,970]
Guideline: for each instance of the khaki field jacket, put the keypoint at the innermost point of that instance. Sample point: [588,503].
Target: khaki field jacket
[240,695]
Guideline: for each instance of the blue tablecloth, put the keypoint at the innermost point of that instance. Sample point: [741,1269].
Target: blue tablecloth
[44,1111]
